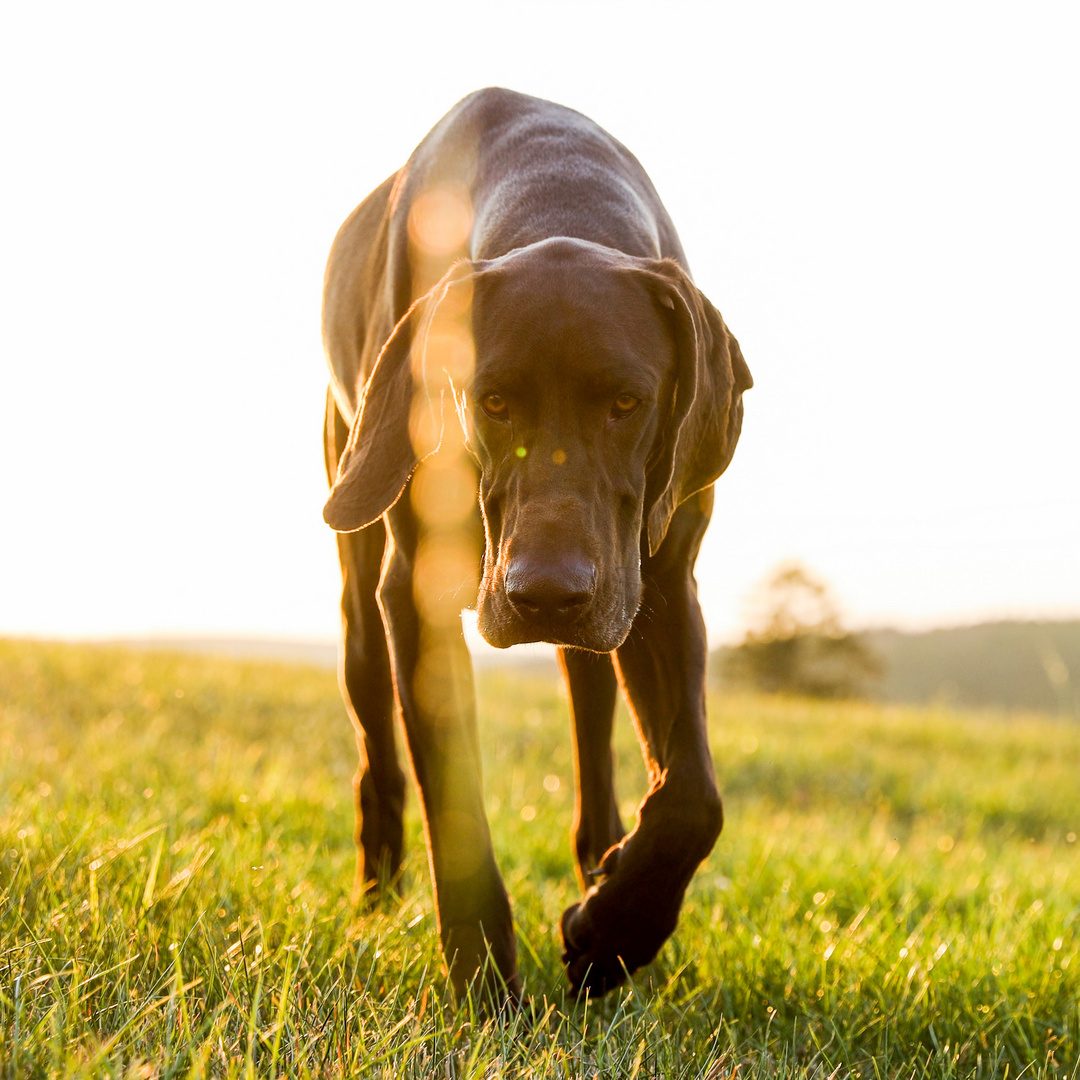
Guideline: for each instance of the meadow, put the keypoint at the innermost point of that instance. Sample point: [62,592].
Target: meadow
[896,892]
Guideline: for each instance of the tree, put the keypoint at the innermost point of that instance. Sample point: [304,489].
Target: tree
[796,643]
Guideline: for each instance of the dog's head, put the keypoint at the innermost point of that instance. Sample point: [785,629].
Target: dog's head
[606,391]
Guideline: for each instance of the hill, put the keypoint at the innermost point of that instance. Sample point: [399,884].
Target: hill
[1005,665]
[1016,665]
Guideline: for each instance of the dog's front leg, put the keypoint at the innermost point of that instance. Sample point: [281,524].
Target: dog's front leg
[433,682]
[622,922]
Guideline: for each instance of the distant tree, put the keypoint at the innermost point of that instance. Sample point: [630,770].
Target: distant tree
[796,644]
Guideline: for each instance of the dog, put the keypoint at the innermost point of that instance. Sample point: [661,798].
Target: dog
[521,272]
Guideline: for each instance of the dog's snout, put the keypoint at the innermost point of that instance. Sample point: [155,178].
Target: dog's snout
[550,591]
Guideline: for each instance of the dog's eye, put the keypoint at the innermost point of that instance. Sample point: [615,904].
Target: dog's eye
[624,405]
[495,406]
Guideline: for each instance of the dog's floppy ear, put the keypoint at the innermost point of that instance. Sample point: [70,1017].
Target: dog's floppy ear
[399,421]
[706,418]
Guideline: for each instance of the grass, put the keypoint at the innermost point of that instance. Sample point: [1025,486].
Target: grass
[896,893]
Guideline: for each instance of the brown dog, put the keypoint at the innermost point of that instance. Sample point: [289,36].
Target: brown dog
[522,267]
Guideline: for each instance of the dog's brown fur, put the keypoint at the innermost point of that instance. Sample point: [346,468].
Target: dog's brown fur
[606,400]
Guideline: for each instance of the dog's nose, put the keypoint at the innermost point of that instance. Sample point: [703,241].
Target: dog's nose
[550,591]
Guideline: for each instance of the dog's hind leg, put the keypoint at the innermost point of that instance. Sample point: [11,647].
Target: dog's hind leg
[368,692]
[590,679]
[364,671]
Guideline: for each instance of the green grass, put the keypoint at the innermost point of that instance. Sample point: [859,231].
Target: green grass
[896,892]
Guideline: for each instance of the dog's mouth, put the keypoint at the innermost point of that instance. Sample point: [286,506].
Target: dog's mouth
[502,633]
[599,624]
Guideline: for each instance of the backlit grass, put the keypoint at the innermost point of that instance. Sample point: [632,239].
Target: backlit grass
[896,892]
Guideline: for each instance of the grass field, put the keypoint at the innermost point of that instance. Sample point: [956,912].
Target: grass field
[896,893]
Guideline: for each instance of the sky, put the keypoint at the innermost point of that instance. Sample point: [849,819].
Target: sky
[880,199]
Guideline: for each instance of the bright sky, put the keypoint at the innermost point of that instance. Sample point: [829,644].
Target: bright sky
[881,199]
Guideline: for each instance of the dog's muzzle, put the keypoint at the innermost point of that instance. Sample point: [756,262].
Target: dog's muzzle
[552,593]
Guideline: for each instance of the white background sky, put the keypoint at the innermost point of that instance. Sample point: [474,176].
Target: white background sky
[881,199]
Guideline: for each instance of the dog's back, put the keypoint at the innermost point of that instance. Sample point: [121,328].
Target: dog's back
[541,170]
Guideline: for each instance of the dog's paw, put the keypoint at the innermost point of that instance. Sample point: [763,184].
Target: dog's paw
[591,966]
[601,948]
[482,966]
[619,927]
